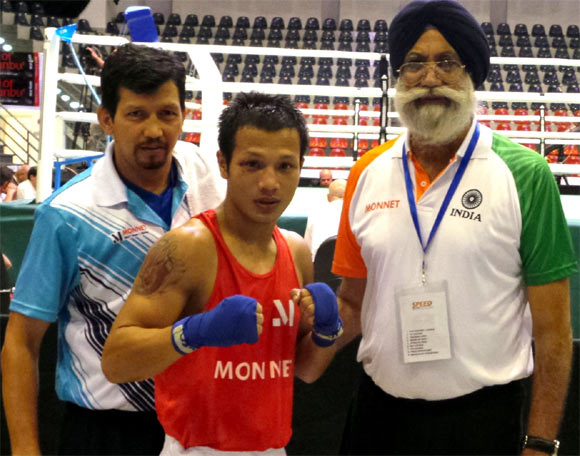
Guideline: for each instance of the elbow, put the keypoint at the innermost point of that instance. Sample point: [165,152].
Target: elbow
[108,368]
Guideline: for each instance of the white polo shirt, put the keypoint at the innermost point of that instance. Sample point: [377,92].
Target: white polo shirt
[503,229]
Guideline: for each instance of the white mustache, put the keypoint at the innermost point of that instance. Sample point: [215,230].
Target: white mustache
[416,93]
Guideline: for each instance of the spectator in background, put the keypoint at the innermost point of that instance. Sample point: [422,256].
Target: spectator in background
[325,177]
[8,185]
[27,188]
[323,223]
[21,173]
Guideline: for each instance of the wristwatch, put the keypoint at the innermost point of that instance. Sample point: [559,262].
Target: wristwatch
[545,446]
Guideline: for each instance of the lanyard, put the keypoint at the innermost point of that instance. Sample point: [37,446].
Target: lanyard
[450,192]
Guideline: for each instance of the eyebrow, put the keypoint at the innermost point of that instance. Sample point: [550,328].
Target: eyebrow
[418,57]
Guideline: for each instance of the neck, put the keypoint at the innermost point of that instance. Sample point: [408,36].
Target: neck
[153,180]
[435,157]
[234,225]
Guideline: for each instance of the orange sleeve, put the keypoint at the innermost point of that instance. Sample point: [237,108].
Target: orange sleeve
[348,261]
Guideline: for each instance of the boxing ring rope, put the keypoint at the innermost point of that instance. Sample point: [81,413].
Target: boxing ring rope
[212,89]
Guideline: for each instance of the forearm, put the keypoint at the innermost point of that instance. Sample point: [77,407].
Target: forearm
[350,314]
[552,364]
[132,353]
[20,396]
[311,360]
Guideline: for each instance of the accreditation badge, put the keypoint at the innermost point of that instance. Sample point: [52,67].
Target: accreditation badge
[424,322]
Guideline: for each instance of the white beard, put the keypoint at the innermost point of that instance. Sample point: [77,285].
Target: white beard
[436,124]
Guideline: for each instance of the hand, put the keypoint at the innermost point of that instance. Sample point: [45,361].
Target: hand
[10,190]
[319,308]
[235,320]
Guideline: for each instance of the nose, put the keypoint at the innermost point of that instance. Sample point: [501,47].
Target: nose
[153,128]
[431,79]
[269,181]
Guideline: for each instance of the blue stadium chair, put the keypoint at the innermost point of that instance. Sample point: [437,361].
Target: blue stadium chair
[554,89]
[322,99]
[361,83]
[284,79]
[239,42]
[562,53]
[231,68]
[252,58]
[83,26]
[268,69]
[516,87]
[191,20]
[266,79]
[513,77]
[328,35]
[531,78]
[234,58]
[306,71]
[292,60]
[304,80]
[573,88]
[302,99]
[329,24]
[362,72]
[166,39]
[382,47]
[535,88]
[541,41]
[287,70]
[120,18]
[343,72]
[274,43]
[291,44]
[559,42]
[250,68]
[490,39]
[525,51]
[344,62]
[381,37]
[494,76]
[21,19]
[324,71]
[325,61]
[497,87]
[342,82]
[187,40]
[321,81]
[575,43]
[246,77]
[170,31]
[360,62]
[363,47]
[36,34]
[309,44]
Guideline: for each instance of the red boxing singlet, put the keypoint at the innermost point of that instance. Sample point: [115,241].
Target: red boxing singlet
[237,398]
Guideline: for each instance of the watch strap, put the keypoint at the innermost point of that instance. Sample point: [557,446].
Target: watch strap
[540,444]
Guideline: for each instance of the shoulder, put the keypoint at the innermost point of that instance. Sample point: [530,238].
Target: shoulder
[190,241]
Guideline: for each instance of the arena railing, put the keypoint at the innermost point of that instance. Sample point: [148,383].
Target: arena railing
[209,82]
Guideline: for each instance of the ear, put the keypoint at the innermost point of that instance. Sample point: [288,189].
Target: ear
[105,120]
[222,164]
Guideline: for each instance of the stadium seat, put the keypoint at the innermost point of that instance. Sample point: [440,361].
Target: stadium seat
[36,34]
[521,30]
[503,29]
[525,51]
[170,31]
[363,37]
[573,31]
[490,40]
[208,20]
[294,23]
[556,30]
[544,52]
[83,26]
[205,32]
[275,34]
[559,42]
[258,34]
[346,25]
[328,35]
[337,152]
[507,51]
[541,41]
[310,35]
[226,21]
[380,26]
[538,30]
[316,152]
[312,23]
[523,40]
[191,20]
[158,18]
[562,53]
[329,24]
[243,22]
[363,25]
[277,22]
[260,22]
[174,19]
[111,29]
[292,35]
[487,28]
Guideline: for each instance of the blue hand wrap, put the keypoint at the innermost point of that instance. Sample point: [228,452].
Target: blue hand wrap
[327,323]
[232,322]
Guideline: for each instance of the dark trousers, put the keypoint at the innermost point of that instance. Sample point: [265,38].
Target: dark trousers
[486,422]
[109,432]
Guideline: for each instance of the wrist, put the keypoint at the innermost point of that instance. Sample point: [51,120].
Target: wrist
[539,444]
[178,337]
[326,339]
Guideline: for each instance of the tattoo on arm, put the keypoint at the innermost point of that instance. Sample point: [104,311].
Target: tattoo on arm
[161,267]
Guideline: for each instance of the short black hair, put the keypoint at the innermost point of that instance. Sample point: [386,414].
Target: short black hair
[142,70]
[263,111]
[6,174]
[32,172]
